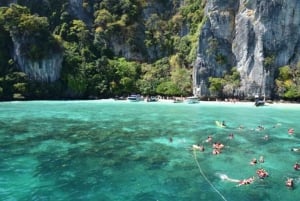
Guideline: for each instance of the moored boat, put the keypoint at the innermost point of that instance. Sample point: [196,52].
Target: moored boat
[134,98]
[192,100]
[178,100]
[259,101]
[152,99]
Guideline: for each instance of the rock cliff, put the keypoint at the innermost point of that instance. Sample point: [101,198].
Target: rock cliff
[255,36]
[46,69]
[27,44]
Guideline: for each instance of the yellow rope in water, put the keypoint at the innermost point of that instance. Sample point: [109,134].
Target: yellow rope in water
[202,173]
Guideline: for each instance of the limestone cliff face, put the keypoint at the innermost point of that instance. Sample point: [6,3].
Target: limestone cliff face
[44,70]
[246,34]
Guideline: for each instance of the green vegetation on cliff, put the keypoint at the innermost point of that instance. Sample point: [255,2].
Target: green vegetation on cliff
[288,82]
[226,86]
[110,48]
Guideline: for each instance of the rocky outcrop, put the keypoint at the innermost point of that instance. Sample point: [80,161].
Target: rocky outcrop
[35,50]
[78,11]
[46,69]
[256,36]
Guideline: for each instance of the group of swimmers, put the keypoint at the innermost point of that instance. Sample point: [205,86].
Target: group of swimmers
[261,173]
[217,146]
[254,160]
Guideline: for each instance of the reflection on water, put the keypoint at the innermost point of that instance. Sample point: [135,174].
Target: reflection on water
[106,150]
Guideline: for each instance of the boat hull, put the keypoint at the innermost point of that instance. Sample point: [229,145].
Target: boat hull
[192,100]
[134,98]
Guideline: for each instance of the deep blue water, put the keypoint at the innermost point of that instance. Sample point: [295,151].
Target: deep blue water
[121,151]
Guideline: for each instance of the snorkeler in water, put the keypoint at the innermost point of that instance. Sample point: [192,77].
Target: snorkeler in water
[291,131]
[246,181]
[289,182]
[295,149]
[262,173]
[198,147]
[209,139]
[253,161]
[223,123]
[297,166]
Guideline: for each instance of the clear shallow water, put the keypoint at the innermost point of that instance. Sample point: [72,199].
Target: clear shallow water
[120,151]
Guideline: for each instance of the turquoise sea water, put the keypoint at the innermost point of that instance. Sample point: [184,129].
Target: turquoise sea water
[121,151]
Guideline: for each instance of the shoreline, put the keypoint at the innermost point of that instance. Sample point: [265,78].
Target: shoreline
[211,103]
[169,101]
[237,102]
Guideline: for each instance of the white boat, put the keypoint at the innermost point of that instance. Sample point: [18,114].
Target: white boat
[134,98]
[192,100]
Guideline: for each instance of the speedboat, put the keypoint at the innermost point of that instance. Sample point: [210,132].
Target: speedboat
[192,99]
[134,98]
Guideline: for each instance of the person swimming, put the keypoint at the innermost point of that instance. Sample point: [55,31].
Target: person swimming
[250,180]
[261,173]
[297,166]
[209,139]
[261,159]
[295,149]
[198,147]
[253,161]
[260,128]
[289,182]
[216,151]
[291,131]
[246,181]
[218,145]
[223,123]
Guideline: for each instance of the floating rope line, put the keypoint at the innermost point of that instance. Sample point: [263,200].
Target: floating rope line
[202,173]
